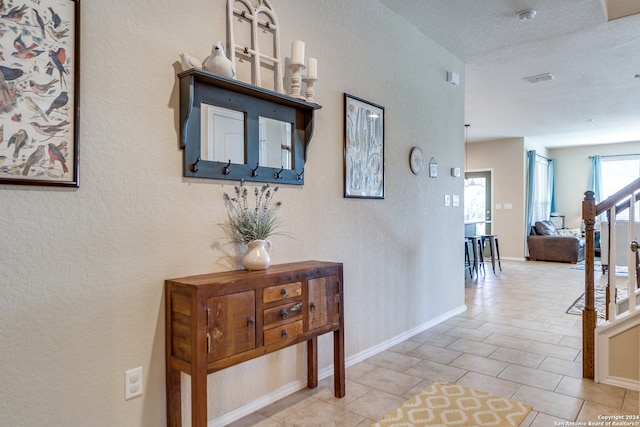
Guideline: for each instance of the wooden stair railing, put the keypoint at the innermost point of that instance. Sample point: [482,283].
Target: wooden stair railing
[590,211]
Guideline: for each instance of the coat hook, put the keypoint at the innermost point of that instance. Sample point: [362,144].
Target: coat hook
[194,166]
[225,170]
[300,175]
[254,172]
[278,174]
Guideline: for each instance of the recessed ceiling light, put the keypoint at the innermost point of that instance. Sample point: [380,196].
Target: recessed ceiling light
[526,15]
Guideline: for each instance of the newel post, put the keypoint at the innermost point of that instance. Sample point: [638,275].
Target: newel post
[589,314]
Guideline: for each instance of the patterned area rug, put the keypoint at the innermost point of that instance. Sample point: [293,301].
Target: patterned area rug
[597,267]
[447,404]
[600,301]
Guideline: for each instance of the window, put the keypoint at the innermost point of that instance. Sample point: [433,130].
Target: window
[618,172]
[542,193]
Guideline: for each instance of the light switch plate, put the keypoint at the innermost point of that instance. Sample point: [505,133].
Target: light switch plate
[447,200]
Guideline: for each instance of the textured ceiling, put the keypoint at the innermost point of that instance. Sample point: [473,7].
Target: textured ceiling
[594,97]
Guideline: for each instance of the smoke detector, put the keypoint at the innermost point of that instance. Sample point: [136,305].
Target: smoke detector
[526,15]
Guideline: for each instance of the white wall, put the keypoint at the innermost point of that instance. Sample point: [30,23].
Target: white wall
[573,172]
[81,295]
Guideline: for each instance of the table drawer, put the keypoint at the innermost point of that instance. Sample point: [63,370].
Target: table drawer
[283,333]
[281,292]
[282,313]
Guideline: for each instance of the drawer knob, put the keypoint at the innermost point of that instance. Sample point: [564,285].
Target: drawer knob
[284,292]
[312,306]
[286,311]
[285,334]
[251,321]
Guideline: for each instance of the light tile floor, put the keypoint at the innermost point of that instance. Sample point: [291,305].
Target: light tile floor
[515,340]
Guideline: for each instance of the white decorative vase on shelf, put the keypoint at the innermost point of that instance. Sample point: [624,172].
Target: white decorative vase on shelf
[257,255]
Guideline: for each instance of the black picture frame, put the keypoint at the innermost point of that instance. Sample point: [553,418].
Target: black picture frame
[363,149]
[39,93]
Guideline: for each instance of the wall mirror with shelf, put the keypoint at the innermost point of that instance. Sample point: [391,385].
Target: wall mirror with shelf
[236,131]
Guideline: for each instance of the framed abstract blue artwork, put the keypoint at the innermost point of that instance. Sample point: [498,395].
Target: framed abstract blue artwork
[363,149]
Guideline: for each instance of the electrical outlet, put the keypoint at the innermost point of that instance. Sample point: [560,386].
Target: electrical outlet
[133,383]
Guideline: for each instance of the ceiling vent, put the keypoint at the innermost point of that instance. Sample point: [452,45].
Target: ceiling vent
[539,78]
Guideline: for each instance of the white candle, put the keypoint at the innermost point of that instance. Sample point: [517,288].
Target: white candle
[312,68]
[297,52]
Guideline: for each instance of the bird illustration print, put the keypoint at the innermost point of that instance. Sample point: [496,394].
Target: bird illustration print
[8,93]
[60,101]
[42,89]
[38,20]
[16,13]
[23,51]
[55,18]
[38,90]
[6,96]
[56,156]
[57,35]
[20,140]
[34,158]
[49,130]
[10,73]
[57,60]
[31,105]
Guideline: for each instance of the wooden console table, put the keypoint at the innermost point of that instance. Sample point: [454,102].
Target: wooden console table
[214,321]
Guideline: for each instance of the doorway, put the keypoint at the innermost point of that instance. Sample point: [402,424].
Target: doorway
[478,215]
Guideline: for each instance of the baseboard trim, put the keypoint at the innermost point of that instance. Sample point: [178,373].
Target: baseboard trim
[622,382]
[327,371]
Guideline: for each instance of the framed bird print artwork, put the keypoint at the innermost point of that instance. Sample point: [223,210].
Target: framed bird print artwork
[39,82]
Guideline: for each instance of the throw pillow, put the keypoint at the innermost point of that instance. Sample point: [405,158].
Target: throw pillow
[546,228]
[571,232]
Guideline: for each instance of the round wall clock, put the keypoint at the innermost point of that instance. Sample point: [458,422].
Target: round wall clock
[416,160]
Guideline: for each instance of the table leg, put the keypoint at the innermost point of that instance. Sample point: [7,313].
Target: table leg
[312,362]
[199,399]
[492,248]
[474,243]
[174,399]
[338,363]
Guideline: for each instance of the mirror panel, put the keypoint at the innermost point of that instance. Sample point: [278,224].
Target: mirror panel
[236,131]
[276,143]
[222,133]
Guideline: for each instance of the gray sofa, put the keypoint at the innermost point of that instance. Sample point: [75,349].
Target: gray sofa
[546,244]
